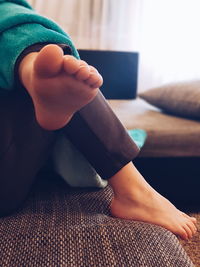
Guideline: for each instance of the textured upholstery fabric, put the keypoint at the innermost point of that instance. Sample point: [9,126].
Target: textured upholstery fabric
[180,98]
[59,226]
[167,135]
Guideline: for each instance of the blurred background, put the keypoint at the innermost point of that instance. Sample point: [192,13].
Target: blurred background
[164,32]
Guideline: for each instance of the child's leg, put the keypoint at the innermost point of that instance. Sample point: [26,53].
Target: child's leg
[24,148]
[136,199]
[97,133]
[59,90]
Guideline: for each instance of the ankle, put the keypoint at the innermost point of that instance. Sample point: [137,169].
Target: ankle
[128,182]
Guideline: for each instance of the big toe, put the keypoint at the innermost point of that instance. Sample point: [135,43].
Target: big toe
[49,61]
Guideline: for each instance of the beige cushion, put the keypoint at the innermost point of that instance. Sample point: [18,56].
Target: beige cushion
[167,135]
[182,98]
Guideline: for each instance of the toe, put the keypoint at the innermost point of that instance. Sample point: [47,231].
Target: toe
[193,219]
[99,78]
[188,230]
[191,222]
[98,83]
[49,61]
[83,73]
[93,69]
[192,227]
[83,63]
[71,64]
[95,80]
[182,233]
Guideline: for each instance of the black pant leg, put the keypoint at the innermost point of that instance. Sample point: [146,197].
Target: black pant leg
[24,149]
[99,135]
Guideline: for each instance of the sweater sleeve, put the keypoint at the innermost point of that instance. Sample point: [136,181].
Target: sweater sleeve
[21,27]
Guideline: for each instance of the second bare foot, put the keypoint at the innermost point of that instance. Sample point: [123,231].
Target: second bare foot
[135,199]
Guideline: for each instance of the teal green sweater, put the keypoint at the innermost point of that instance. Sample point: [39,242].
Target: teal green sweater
[20,27]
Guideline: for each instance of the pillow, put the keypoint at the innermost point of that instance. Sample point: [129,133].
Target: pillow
[181,98]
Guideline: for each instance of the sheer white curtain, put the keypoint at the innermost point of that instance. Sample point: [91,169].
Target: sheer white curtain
[170,42]
[96,24]
[165,32]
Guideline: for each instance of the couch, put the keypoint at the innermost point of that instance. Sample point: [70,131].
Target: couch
[67,227]
[63,226]
[71,227]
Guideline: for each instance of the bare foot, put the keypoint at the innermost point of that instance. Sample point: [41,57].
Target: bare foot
[135,199]
[59,85]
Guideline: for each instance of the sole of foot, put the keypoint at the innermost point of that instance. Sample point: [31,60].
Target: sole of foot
[59,85]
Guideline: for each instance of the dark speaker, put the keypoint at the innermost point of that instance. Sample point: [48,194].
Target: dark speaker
[118,69]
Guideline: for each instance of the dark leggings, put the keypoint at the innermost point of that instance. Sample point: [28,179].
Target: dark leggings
[25,146]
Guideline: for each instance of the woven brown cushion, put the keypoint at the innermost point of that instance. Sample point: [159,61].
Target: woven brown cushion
[180,98]
[59,226]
